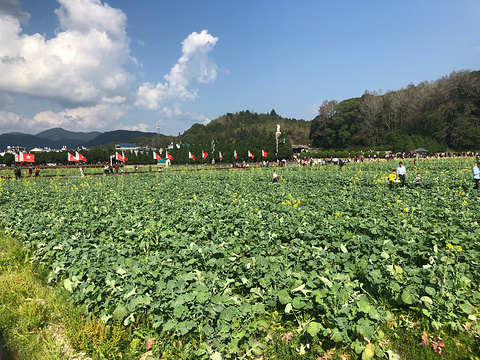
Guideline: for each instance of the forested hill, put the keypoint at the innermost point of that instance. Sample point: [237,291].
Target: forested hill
[245,125]
[435,115]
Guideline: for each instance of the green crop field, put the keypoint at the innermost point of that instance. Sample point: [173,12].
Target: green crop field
[234,264]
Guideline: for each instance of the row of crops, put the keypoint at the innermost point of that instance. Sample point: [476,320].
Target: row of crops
[223,255]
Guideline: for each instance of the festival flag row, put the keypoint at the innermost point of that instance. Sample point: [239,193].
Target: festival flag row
[205,155]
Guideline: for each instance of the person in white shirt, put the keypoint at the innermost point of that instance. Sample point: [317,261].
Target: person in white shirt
[275,176]
[401,174]
[476,175]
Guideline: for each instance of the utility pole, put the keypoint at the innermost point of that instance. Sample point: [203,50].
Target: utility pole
[277,135]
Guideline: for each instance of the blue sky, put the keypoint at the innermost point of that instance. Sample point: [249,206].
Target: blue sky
[91,65]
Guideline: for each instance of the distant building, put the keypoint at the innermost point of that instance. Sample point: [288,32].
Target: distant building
[15,149]
[38,150]
[127,147]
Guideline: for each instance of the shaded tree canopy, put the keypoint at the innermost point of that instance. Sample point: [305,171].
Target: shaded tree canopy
[444,113]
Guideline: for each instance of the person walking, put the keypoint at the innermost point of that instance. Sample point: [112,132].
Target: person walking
[401,174]
[476,175]
[275,176]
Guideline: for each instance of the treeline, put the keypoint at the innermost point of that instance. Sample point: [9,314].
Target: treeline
[94,156]
[435,115]
[180,152]
[254,144]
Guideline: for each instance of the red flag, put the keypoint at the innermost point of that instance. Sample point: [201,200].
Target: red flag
[264,153]
[28,157]
[121,158]
[169,156]
[235,154]
[80,157]
[25,157]
[71,157]
[220,155]
[156,156]
[190,156]
[250,154]
[204,154]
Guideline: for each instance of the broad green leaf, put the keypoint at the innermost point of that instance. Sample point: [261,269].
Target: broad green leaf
[120,312]
[426,300]
[216,356]
[313,328]
[430,291]
[407,297]
[336,335]
[67,284]
[467,308]
[284,297]
[298,303]
[288,308]
[327,282]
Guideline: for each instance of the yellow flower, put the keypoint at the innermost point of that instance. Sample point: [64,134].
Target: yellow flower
[449,246]
[406,210]
[337,214]
[459,248]
[147,231]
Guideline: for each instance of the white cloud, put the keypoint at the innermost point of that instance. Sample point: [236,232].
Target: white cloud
[10,121]
[80,66]
[193,65]
[99,117]
[139,127]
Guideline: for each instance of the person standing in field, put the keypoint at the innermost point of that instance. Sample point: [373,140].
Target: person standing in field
[275,176]
[418,180]
[476,175]
[401,174]
[392,178]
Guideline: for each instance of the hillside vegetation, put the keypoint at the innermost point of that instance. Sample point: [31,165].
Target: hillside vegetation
[438,114]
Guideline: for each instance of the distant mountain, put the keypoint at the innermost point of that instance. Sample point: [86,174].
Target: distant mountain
[25,140]
[58,138]
[59,134]
[70,139]
[117,136]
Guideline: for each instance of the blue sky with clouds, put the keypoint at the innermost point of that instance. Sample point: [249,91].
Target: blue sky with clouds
[120,64]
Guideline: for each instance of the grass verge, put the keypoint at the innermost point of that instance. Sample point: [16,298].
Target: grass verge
[38,322]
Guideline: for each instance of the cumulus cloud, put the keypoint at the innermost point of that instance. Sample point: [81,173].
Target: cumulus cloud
[10,121]
[80,66]
[193,65]
[13,8]
[100,116]
[139,127]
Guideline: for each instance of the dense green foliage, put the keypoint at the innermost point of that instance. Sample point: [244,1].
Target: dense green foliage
[247,125]
[433,115]
[235,261]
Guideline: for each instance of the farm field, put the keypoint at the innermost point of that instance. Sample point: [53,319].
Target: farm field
[234,264]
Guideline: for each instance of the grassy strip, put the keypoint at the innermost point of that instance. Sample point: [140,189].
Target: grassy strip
[38,322]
